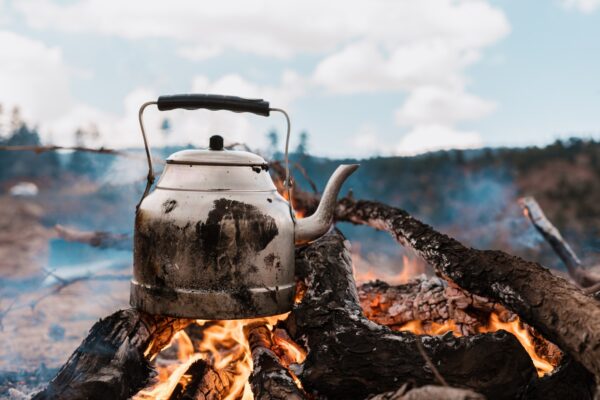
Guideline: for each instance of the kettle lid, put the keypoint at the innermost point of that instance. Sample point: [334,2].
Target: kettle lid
[216,154]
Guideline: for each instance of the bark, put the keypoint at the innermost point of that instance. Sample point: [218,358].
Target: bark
[351,357]
[205,383]
[269,379]
[554,307]
[570,380]
[560,246]
[431,306]
[429,393]
[112,362]
[427,300]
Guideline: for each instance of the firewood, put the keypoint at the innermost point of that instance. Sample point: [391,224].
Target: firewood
[112,362]
[206,383]
[269,379]
[552,235]
[427,300]
[351,357]
[429,393]
[570,380]
[553,306]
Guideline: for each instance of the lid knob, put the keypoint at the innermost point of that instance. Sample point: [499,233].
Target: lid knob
[215,142]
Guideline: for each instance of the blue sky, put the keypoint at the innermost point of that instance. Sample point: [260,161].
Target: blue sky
[362,77]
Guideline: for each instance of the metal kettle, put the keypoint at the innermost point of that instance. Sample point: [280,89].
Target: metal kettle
[214,239]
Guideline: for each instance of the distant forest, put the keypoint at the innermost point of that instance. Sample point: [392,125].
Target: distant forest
[471,194]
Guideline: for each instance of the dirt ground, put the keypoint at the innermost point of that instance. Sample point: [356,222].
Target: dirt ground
[45,322]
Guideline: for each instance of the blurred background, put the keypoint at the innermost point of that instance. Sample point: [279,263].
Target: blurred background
[455,109]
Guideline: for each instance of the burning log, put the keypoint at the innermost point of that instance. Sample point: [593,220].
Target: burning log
[570,380]
[204,383]
[431,306]
[430,300]
[552,235]
[352,357]
[553,306]
[269,379]
[112,362]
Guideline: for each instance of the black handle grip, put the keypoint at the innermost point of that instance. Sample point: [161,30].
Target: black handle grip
[213,102]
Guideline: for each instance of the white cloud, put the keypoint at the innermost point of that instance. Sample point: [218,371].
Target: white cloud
[436,137]
[122,130]
[414,43]
[437,105]
[199,52]
[270,28]
[276,28]
[585,6]
[366,142]
[433,112]
[33,76]
[420,48]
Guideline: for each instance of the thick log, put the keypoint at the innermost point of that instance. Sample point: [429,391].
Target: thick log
[560,246]
[112,362]
[554,307]
[570,380]
[269,379]
[351,357]
[431,306]
[427,300]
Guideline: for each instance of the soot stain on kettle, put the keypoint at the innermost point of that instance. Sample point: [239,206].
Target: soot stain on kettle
[169,205]
[272,260]
[224,245]
[232,234]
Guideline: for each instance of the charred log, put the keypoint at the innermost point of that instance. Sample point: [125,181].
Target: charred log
[430,305]
[203,382]
[560,246]
[351,357]
[570,380]
[553,306]
[429,393]
[269,379]
[112,362]
[430,300]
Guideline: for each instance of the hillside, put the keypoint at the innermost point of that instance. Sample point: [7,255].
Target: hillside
[469,194]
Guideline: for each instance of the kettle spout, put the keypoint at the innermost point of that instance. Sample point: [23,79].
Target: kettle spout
[316,225]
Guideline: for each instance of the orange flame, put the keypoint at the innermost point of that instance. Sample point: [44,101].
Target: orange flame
[494,324]
[299,213]
[224,346]
[516,328]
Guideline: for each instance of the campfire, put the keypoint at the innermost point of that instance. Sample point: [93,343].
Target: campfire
[225,346]
[358,333]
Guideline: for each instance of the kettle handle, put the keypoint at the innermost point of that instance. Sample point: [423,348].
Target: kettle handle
[214,102]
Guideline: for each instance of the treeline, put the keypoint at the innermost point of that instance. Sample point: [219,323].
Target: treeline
[18,165]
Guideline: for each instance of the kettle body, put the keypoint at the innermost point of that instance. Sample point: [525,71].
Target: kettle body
[214,239]
[219,253]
